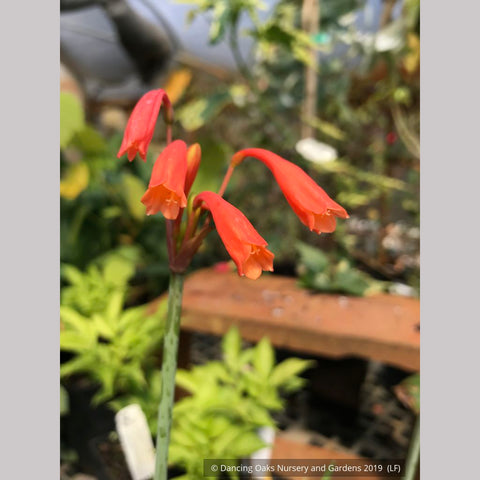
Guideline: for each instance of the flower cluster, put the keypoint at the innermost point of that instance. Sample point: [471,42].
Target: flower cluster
[173,175]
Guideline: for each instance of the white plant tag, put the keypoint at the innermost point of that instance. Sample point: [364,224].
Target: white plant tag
[267,434]
[136,441]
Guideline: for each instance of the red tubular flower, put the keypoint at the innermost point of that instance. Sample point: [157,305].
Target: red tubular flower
[140,126]
[246,247]
[166,188]
[309,201]
[194,154]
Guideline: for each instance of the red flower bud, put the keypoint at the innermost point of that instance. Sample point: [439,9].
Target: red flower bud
[141,124]
[194,155]
[309,201]
[165,191]
[246,247]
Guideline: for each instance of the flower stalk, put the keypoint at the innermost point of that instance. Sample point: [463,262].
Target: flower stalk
[413,455]
[169,369]
[226,179]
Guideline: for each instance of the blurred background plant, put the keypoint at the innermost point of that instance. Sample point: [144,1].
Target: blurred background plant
[89,292]
[113,347]
[333,273]
[355,130]
[116,349]
[362,144]
[100,207]
[228,401]
[251,373]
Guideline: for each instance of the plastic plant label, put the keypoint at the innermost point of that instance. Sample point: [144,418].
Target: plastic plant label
[267,434]
[136,441]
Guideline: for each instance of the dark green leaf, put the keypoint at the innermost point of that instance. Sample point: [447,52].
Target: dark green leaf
[264,357]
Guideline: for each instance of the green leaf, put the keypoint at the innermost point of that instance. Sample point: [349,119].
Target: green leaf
[246,356]
[134,373]
[350,280]
[212,167]
[76,342]
[245,444]
[219,22]
[213,370]
[64,401]
[332,11]
[318,281]
[295,41]
[294,384]
[313,258]
[89,141]
[327,128]
[106,376]
[190,437]
[218,425]
[200,111]
[73,319]
[74,181]
[346,169]
[118,265]
[267,396]
[71,274]
[177,454]
[72,118]
[185,380]
[114,307]
[226,438]
[104,329]
[77,364]
[259,416]
[132,190]
[117,271]
[264,357]
[231,345]
[291,367]
[317,271]
[155,383]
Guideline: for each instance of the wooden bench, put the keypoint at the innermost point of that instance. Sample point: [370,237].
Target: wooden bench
[384,328]
[285,447]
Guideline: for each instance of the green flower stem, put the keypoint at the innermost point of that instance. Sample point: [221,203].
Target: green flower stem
[413,452]
[169,369]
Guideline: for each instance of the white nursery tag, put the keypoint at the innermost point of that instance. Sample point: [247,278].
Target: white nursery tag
[267,434]
[136,441]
